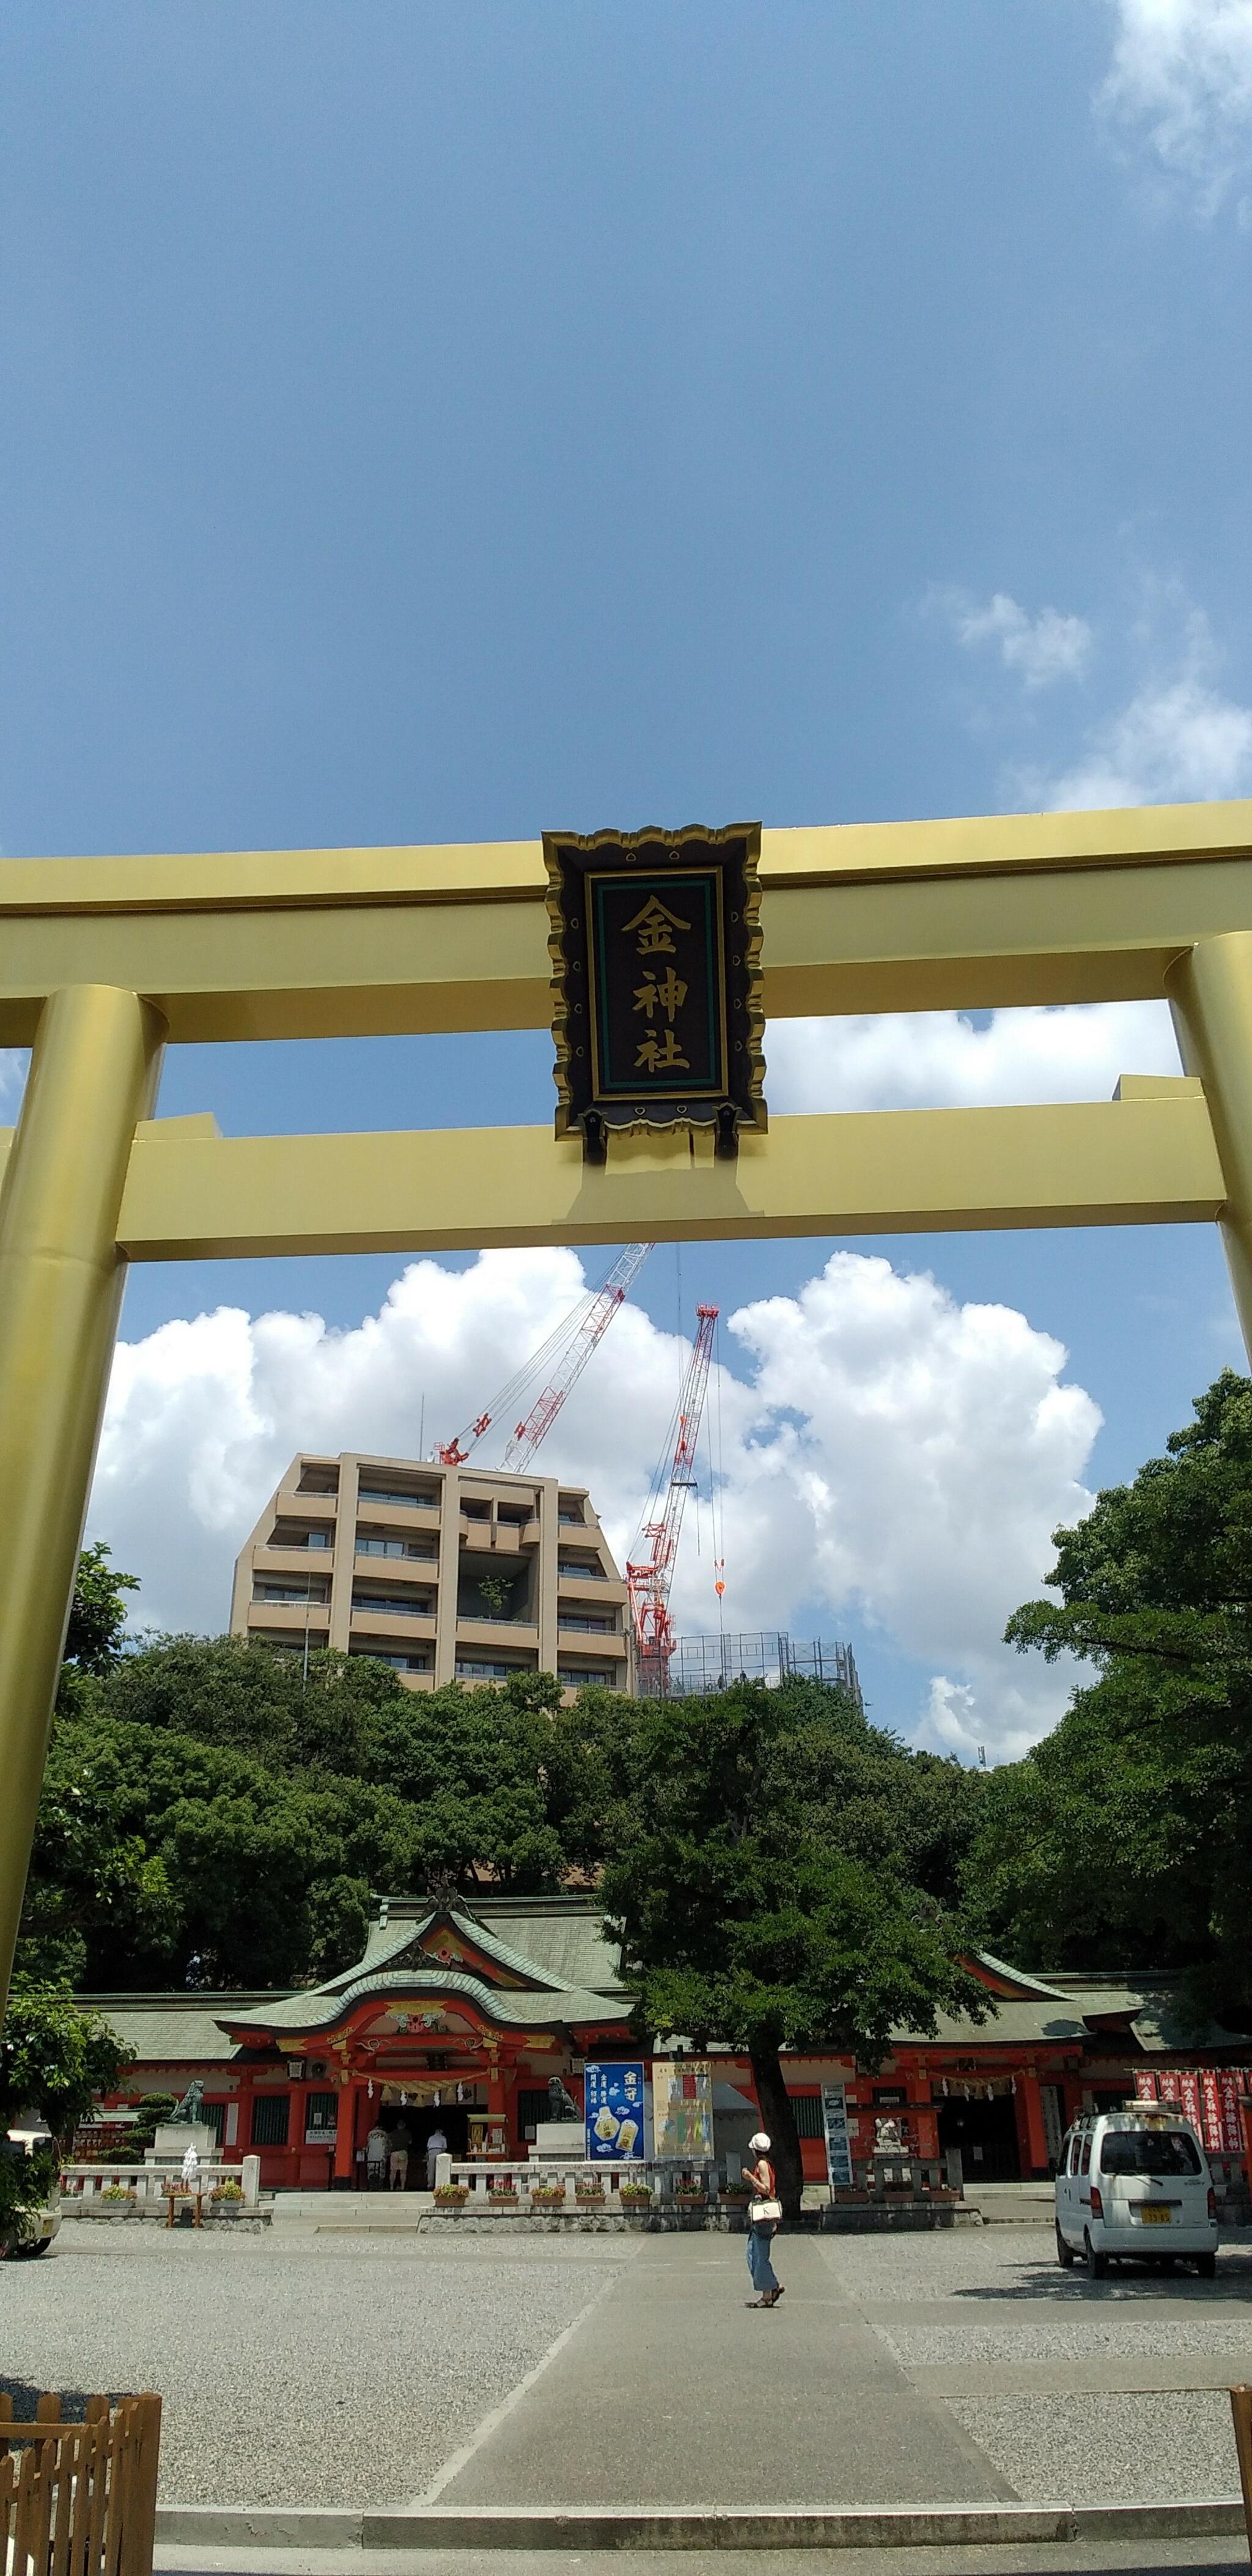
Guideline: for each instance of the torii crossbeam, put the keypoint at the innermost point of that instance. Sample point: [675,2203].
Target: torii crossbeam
[104,961]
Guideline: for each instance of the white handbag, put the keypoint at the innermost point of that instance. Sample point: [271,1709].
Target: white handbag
[761,2212]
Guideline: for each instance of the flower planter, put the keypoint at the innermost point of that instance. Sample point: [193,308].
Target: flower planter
[452,2196]
[590,2199]
[636,2200]
[547,2200]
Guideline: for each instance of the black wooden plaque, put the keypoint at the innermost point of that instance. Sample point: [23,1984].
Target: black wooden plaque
[655,945]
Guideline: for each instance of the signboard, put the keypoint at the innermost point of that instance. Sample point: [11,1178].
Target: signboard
[657,1012]
[838,2145]
[682,2108]
[613,2112]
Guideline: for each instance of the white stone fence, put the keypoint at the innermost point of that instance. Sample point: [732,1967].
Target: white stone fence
[82,2186]
[545,2172]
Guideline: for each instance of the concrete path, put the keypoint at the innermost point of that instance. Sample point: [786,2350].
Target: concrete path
[1182,2558]
[673,2390]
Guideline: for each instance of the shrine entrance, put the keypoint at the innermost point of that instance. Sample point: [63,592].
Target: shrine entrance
[106,961]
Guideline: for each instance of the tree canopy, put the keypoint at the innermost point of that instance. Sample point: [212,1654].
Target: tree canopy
[780,1874]
[1125,1838]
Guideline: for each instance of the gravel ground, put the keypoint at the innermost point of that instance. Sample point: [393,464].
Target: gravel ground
[1107,2450]
[348,2369]
[1127,2336]
[324,2370]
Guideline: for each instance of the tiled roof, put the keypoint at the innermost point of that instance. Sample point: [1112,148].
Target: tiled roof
[320,2007]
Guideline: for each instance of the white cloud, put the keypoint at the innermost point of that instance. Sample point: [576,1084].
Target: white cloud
[1182,72]
[1177,740]
[895,1458]
[939,1059]
[1041,649]
[12,1076]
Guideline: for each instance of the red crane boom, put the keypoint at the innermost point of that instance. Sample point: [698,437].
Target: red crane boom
[648,1577]
[559,1363]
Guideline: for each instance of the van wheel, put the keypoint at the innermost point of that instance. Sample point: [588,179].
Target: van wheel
[1206,2266]
[1097,2264]
[1064,2252]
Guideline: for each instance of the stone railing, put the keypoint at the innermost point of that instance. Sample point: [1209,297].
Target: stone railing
[83,2186]
[543,2172]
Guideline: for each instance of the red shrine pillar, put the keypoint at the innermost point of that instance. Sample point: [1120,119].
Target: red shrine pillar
[1036,2136]
[343,2173]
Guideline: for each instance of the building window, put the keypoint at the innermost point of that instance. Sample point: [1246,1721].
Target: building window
[400,1663]
[397,1605]
[320,2111]
[271,2117]
[578,1619]
[472,1669]
[296,1595]
[213,2115]
[576,1676]
[408,1500]
[808,2114]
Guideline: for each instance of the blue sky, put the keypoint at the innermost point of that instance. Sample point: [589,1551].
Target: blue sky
[434,424]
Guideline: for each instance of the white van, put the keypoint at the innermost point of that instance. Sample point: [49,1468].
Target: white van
[1134,2184]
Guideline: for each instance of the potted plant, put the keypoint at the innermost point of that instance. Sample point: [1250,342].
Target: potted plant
[635,2195]
[118,2191]
[589,2191]
[501,2191]
[690,2192]
[225,2198]
[547,2195]
[451,2195]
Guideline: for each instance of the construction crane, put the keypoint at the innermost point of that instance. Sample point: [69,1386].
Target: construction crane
[558,1364]
[648,1576]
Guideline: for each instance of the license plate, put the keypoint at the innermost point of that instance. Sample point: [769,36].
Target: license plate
[1150,2217]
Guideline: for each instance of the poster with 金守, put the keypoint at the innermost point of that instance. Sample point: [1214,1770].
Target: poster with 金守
[682,2109]
[613,2106]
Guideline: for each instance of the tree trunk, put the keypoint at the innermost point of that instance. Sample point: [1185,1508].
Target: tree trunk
[779,2121]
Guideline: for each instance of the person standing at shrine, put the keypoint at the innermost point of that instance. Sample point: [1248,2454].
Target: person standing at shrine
[377,2150]
[436,2146]
[764,2212]
[398,2160]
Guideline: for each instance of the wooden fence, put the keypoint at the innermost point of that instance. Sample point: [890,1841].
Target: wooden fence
[1241,2409]
[79,2499]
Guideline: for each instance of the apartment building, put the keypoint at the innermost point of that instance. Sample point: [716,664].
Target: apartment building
[447,1573]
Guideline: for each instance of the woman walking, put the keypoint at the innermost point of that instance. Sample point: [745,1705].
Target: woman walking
[764,2212]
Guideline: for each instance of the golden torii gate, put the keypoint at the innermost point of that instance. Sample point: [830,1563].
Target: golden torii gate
[102,961]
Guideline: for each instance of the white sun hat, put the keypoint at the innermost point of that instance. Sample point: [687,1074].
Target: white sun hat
[759,2143]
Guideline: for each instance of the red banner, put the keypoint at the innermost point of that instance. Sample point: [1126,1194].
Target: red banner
[1145,2084]
[1231,2082]
[1211,2105]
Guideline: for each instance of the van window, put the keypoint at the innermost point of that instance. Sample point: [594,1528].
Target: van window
[1148,2151]
[1075,2147]
[1085,2166]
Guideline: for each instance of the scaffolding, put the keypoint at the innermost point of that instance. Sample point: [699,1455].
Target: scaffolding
[700,1664]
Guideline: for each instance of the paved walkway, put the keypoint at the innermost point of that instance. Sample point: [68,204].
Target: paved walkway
[671,2389]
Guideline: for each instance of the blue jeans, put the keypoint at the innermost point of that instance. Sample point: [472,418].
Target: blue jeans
[762,2270]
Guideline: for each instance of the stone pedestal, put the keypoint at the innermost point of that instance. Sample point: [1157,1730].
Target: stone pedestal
[559,2140]
[175,2136]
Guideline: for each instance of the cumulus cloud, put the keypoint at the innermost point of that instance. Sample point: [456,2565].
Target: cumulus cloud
[1182,74]
[940,1059]
[1178,739]
[1040,649]
[890,1456]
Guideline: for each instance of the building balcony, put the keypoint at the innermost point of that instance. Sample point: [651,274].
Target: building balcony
[595,1643]
[579,1584]
[379,1625]
[394,1513]
[293,1557]
[286,1622]
[369,1559]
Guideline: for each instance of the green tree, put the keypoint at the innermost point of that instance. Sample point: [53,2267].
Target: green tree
[1125,1838]
[54,2060]
[768,1883]
[95,1637]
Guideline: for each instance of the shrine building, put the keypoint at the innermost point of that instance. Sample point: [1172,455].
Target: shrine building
[460,2014]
